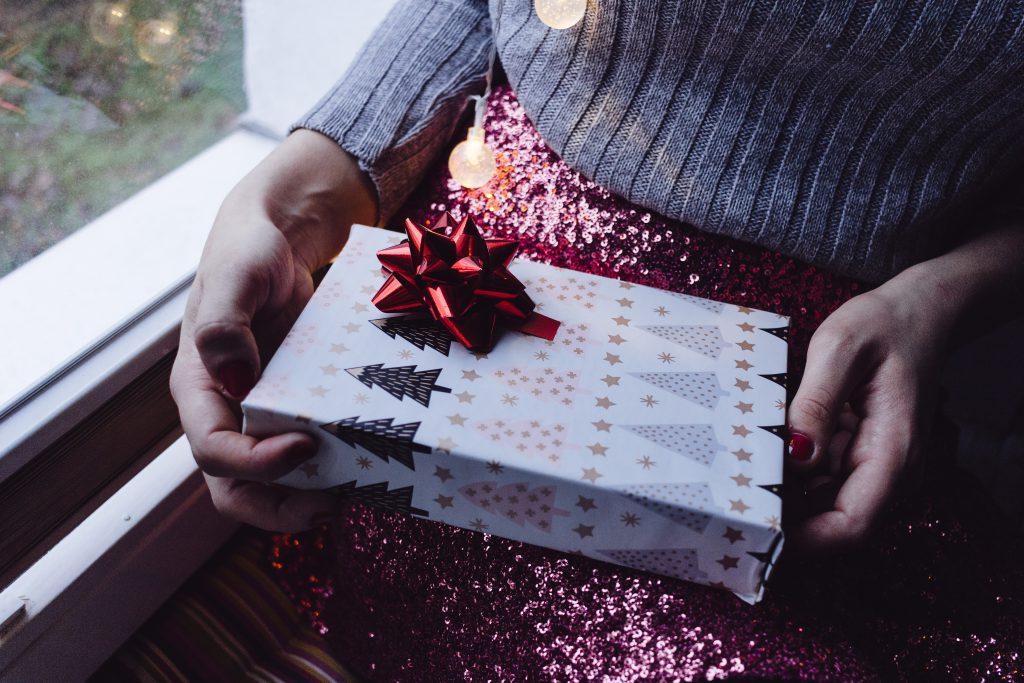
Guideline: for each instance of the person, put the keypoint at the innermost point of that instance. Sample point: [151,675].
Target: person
[877,141]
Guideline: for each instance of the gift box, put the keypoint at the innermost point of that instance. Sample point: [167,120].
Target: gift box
[647,433]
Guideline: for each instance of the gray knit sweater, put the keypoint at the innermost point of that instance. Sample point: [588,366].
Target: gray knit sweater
[847,133]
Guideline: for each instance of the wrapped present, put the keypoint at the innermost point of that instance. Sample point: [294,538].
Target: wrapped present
[646,432]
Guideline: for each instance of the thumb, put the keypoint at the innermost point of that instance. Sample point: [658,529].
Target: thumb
[223,330]
[830,377]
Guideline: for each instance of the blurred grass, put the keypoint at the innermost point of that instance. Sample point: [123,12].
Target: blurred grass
[99,123]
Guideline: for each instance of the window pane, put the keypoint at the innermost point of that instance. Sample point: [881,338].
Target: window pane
[98,99]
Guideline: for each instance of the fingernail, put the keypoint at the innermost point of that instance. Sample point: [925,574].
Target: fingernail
[801,448]
[236,377]
[322,518]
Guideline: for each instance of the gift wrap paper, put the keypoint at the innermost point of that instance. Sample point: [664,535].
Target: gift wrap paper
[648,433]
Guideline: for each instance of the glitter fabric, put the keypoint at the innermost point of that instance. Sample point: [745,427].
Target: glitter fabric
[938,594]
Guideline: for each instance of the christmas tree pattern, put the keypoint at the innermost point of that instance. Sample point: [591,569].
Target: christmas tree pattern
[706,340]
[398,500]
[706,304]
[401,381]
[517,502]
[701,388]
[417,330]
[778,430]
[779,378]
[542,384]
[696,442]
[780,332]
[686,504]
[529,438]
[382,438]
[678,562]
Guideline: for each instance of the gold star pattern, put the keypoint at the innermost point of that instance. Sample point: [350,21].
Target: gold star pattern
[310,469]
[480,355]
[741,480]
[602,426]
[478,525]
[621,320]
[728,562]
[368,289]
[611,380]
[734,535]
[612,359]
[457,419]
[743,365]
[446,445]
[629,519]
[339,348]
[465,397]
[744,407]
[591,474]
[442,473]
[742,384]
[661,311]
[649,401]
[742,455]
[666,357]
[509,399]
[738,506]
[584,530]
[361,398]
[780,404]
[405,354]
[616,339]
[445,501]
[329,369]
[740,430]
[625,285]
[471,375]
[318,390]
[598,449]
[773,522]
[604,402]
[351,327]
[359,308]
[744,310]
[746,327]
[585,504]
[541,355]
[625,303]
[364,462]
[745,345]
[495,467]
[646,462]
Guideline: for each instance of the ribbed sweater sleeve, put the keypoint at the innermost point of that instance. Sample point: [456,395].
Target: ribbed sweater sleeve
[399,102]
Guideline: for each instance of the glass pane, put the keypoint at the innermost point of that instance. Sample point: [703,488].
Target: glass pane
[98,99]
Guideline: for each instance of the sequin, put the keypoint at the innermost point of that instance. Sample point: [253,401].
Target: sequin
[937,595]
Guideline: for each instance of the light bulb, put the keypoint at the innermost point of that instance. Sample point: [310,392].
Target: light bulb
[157,41]
[108,22]
[472,161]
[560,14]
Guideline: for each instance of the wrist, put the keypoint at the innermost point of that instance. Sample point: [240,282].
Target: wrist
[312,191]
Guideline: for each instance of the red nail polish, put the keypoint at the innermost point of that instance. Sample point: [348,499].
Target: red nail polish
[801,448]
[237,378]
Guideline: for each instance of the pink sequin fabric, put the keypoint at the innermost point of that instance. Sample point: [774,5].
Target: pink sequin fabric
[937,595]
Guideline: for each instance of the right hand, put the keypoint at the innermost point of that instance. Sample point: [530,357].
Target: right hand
[281,223]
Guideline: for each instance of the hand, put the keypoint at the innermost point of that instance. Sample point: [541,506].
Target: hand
[858,417]
[281,223]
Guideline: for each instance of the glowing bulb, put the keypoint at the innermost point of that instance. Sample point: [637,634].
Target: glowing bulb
[108,22]
[560,14]
[472,161]
[157,41]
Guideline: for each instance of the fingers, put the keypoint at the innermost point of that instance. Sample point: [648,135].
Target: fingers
[273,508]
[222,330]
[213,431]
[835,363]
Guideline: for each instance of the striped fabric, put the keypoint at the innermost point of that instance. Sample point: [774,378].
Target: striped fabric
[847,133]
[230,622]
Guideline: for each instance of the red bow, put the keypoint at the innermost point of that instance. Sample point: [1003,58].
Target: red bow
[463,280]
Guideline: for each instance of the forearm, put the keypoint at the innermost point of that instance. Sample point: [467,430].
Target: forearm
[312,191]
[973,287]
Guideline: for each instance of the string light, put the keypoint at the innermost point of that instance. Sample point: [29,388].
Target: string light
[560,14]
[108,23]
[157,41]
[472,162]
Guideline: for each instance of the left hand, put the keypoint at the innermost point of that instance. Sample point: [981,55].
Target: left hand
[860,413]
